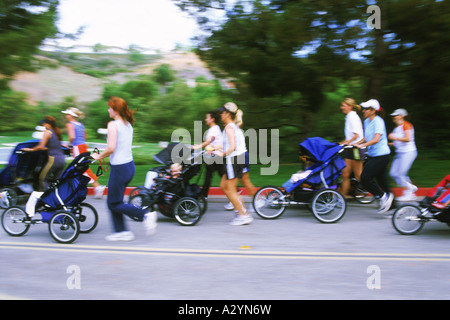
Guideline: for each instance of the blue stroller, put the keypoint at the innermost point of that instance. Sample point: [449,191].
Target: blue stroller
[315,186]
[61,206]
[21,175]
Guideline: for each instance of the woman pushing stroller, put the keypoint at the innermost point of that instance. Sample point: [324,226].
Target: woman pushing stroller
[376,141]
[234,150]
[51,141]
[120,138]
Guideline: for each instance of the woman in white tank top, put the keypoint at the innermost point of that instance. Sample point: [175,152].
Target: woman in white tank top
[120,140]
[234,149]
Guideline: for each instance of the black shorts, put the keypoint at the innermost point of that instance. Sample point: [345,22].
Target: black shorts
[234,167]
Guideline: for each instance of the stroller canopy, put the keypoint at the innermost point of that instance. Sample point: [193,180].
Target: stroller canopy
[169,155]
[319,149]
[328,164]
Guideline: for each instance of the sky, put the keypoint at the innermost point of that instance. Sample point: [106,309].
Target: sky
[153,24]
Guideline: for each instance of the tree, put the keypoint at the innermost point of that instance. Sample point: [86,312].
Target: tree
[163,74]
[24,25]
[294,52]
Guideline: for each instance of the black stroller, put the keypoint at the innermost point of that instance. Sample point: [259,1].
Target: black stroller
[61,206]
[173,197]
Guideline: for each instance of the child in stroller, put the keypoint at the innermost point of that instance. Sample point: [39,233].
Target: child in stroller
[315,186]
[171,191]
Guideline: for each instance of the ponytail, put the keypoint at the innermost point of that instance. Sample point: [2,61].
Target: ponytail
[236,113]
[351,102]
[238,118]
[119,105]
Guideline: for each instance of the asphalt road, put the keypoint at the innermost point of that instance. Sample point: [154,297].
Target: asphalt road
[292,258]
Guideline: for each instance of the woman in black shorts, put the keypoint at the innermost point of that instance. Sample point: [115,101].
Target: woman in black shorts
[234,150]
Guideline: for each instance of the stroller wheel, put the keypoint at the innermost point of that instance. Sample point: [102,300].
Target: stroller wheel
[87,217]
[13,221]
[328,206]
[406,220]
[64,227]
[266,202]
[187,211]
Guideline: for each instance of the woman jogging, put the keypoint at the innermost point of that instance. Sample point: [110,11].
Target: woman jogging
[234,150]
[375,139]
[120,138]
[405,154]
[213,141]
[353,135]
[51,141]
[77,139]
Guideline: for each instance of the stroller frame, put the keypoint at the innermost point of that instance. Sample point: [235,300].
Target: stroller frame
[325,201]
[185,206]
[65,221]
[20,176]
[410,218]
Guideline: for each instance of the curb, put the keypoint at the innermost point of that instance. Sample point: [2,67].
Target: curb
[216,191]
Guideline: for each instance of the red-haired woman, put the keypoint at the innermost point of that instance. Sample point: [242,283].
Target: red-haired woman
[118,148]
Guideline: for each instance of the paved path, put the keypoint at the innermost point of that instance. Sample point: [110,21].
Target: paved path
[293,257]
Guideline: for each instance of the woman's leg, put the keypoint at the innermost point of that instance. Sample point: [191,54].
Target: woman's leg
[371,170]
[345,185]
[119,178]
[229,187]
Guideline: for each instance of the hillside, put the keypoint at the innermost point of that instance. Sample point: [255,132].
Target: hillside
[51,85]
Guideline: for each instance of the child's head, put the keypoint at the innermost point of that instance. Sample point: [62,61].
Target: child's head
[306,160]
[175,168]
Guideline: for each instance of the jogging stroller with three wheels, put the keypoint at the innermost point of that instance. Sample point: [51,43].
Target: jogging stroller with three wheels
[61,206]
[315,186]
[174,197]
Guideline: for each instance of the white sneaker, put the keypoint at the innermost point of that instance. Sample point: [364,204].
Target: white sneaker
[386,202]
[240,220]
[229,206]
[150,224]
[120,236]
[98,191]
[412,188]
[4,201]
[407,197]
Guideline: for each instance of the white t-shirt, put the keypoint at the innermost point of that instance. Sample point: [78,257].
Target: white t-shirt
[399,132]
[123,154]
[353,125]
[215,132]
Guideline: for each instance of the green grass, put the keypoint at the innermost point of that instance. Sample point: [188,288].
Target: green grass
[425,172]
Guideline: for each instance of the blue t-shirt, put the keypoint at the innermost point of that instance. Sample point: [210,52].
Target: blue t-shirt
[370,129]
